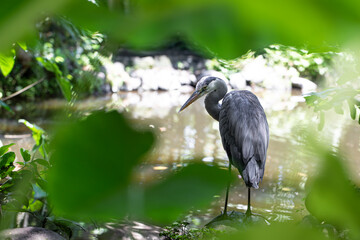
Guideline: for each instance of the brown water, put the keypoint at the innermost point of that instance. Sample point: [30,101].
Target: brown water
[193,134]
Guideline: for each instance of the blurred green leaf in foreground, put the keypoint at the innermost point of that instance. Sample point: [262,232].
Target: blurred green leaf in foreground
[277,231]
[7,61]
[343,93]
[227,28]
[93,160]
[332,197]
[93,165]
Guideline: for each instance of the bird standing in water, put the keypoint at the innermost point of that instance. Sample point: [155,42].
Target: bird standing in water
[243,128]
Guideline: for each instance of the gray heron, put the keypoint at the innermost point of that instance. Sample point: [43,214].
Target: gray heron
[243,128]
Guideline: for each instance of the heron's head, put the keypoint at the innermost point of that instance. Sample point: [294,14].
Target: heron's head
[204,86]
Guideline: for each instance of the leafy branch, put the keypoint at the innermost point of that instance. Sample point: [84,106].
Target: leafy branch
[334,98]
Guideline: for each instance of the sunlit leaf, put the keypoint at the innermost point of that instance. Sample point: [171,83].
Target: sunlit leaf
[5,148]
[6,172]
[333,98]
[65,87]
[50,66]
[64,84]
[338,109]
[97,156]
[7,61]
[22,45]
[37,134]
[34,128]
[311,98]
[7,159]
[35,206]
[322,121]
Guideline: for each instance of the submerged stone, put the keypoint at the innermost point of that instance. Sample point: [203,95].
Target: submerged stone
[235,220]
[30,233]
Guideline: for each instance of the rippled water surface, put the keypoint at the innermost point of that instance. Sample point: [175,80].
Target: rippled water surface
[193,136]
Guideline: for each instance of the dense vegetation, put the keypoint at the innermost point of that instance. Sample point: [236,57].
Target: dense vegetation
[63,54]
[65,57]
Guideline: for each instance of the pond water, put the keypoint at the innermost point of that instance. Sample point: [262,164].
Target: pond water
[193,136]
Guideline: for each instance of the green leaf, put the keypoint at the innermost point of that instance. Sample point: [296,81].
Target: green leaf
[7,61]
[7,159]
[332,198]
[5,148]
[97,155]
[25,154]
[322,121]
[34,128]
[22,45]
[50,66]
[334,98]
[64,84]
[230,34]
[4,105]
[42,162]
[338,109]
[37,133]
[42,183]
[66,87]
[36,206]
[192,187]
[6,171]
[276,231]
[18,18]
[311,99]
[34,168]
[6,187]
[352,109]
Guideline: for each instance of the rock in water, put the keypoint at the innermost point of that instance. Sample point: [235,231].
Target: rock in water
[30,233]
[235,220]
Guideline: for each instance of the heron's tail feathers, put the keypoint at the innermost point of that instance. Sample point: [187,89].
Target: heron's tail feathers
[252,174]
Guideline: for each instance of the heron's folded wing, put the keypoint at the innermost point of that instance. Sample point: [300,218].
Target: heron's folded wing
[243,128]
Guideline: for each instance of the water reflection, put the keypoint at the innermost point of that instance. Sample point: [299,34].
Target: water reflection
[194,135]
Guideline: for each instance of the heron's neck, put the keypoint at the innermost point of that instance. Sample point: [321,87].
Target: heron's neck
[212,99]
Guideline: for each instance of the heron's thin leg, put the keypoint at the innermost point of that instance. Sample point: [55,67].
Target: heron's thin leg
[248,211]
[227,190]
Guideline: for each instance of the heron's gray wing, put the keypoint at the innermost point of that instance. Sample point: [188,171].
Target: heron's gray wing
[245,134]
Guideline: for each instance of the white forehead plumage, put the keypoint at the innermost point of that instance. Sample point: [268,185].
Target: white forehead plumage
[209,84]
[215,84]
[212,85]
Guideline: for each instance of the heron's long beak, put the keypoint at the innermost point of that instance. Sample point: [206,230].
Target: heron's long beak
[195,96]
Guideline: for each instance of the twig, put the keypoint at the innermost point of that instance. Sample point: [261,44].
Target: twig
[22,90]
